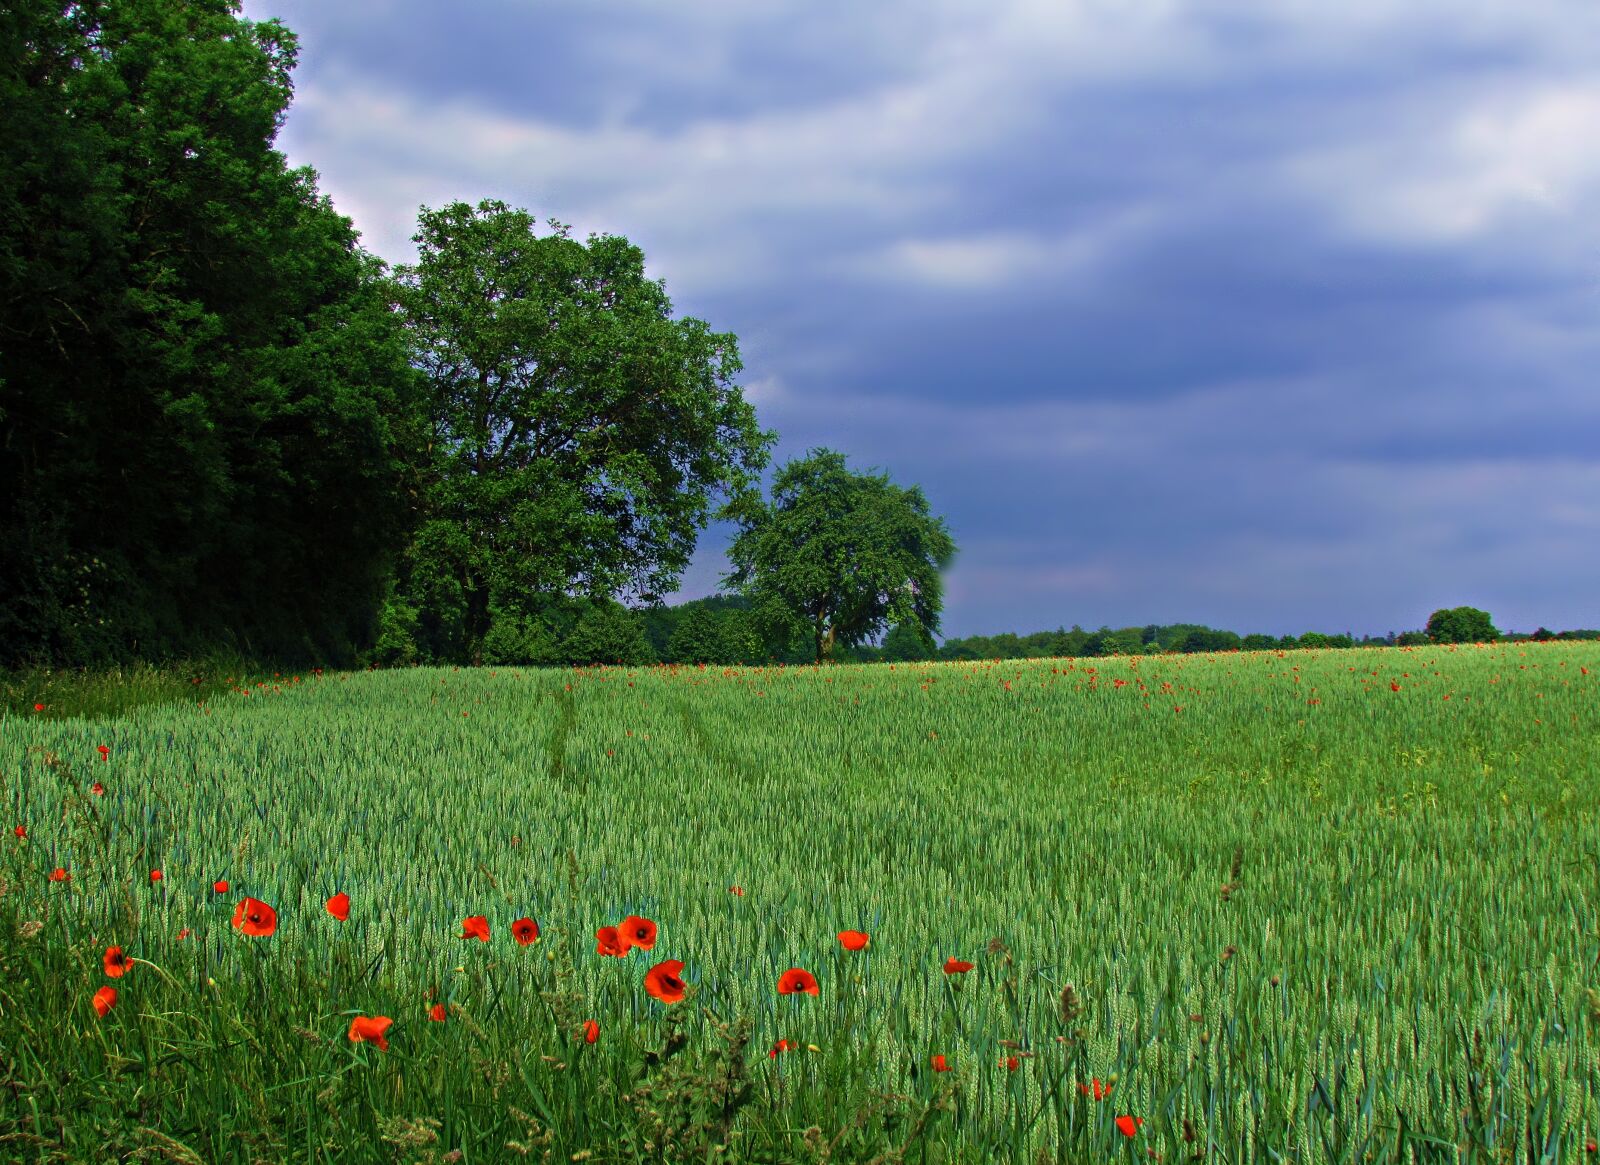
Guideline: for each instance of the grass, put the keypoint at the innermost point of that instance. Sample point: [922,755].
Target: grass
[1284,910]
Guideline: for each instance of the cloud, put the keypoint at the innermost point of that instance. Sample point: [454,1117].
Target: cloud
[1454,170]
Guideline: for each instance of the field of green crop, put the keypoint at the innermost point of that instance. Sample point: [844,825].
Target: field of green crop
[1310,906]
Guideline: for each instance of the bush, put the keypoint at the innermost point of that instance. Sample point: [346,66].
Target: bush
[607,633]
[516,639]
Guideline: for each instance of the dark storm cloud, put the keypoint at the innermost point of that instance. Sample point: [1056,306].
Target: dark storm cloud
[1273,316]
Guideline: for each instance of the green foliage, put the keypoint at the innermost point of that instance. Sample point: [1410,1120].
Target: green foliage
[579,432]
[1461,625]
[840,555]
[203,397]
[1412,639]
[607,633]
[516,638]
[697,638]
[1196,641]
[907,643]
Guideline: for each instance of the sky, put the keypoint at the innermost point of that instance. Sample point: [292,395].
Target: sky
[1272,315]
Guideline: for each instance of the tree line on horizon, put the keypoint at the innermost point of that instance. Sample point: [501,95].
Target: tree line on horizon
[225,427]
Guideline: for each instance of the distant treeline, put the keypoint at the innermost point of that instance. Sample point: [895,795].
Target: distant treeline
[719,630]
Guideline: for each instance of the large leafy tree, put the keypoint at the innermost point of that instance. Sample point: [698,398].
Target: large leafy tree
[837,555]
[204,394]
[578,434]
[1461,625]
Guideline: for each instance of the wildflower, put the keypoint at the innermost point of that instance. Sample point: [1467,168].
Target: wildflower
[634,931]
[662,982]
[1129,1124]
[609,942]
[954,966]
[104,1000]
[155,875]
[795,981]
[220,886]
[21,832]
[938,1061]
[370,1029]
[591,1031]
[338,906]
[183,934]
[97,789]
[105,752]
[437,1013]
[115,963]
[255,918]
[853,940]
[475,927]
[1010,1063]
[59,875]
[1101,1091]
[736,891]
[525,931]
[1394,685]
[780,1046]
[38,707]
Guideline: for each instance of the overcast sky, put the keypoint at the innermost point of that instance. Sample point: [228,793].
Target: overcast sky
[1275,315]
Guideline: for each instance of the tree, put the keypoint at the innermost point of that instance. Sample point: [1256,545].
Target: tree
[1461,625]
[204,400]
[841,554]
[607,633]
[906,643]
[697,638]
[577,432]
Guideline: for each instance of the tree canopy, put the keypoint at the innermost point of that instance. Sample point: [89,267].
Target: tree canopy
[203,397]
[839,555]
[577,433]
[1461,625]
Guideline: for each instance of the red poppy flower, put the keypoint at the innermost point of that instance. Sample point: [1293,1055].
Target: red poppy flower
[1394,685]
[59,875]
[220,886]
[475,927]
[525,931]
[939,1065]
[370,1029]
[794,981]
[183,934]
[736,891]
[853,940]
[115,963]
[338,906]
[954,966]
[662,982]
[1129,1124]
[155,875]
[105,752]
[104,1000]
[255,918]
[437,1013]
[1101,1091]
[20,831]
[591,1031]
[780,1046]
[1010,1063]
[38,707]
[97,789]
[634,931]
[609,942]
